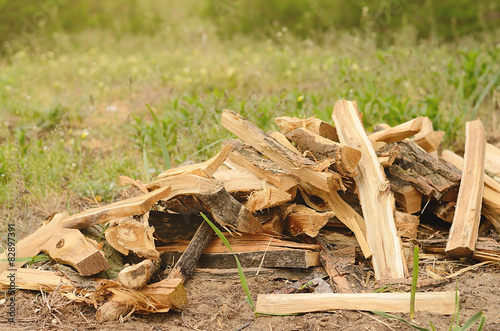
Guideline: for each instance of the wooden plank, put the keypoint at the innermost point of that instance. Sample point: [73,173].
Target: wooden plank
[67,246]
[432,302]
[204,169]
[128,207]
[300,166]
[464,229]
[36,280]
[301,219]
[345,159]
[375,196]
[250,159]
[313,124]
[491,193]
[397,133]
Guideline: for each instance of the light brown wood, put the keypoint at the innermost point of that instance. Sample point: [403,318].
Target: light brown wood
[432,302]
[282,139]
[36,280]
[431,141]
[406,224]
[300,166]
[250,159]
[302,219]
[138,275]
[67,246]
[267,198]
[408,198]
[464,229]
[491,193]
[204,169]
[375,196]
[131,235]
[396,133]
[344,158]
[128,207]
[313,124]
[492,161]
[240,181]
[158,297]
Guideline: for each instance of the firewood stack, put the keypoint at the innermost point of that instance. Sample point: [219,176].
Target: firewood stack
[313,194]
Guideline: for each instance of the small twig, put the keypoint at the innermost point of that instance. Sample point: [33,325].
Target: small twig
[247,324]
[376,319]
[263,256]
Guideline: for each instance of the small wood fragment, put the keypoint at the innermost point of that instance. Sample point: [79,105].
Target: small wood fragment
[408,198]
[138,275]
[128,207]
[431,141]
[267,198]
[406,224]
[204,169]
[492,161]
[302,219]
[464,229]
[432,302]
[313,124]
[282,139]
[398,132]
[375,196]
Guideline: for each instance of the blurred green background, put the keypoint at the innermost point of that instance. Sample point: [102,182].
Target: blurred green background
[75,75]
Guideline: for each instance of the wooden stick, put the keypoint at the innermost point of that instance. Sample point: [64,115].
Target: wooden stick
[313,124]
[465,226]
[432,302]
[67,246]
[398,132]
[282,139]
[300,166]
[375,196]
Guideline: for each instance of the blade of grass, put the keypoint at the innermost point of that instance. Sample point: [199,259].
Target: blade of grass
[146,165]
[414,279]
[30,259]
[243,279]
[161,139]
[473,320]
[402,320]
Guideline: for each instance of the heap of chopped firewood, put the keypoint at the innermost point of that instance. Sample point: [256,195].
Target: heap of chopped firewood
[313,194]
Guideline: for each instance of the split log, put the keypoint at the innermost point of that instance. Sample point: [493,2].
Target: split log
[131,235]
[67,246]
[240,182]
[138,275]
[211,193]
[430,176]
[301,219]
[397,133]
[406,224]
[187,262]
[250,159]
[339,263]
[431,141]
[408,198]
[128,207]
[432,302]
[464,229]
[313,124]
[267,198]
[375,196]
[204,169]
[345,159]
[282,139]
[158,297]
[252,250]
[492,161]
[300,166]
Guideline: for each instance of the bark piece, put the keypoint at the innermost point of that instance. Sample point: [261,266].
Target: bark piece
[267,198]
[397,133]
[430,176]
[313,124]
[138,275]
[302,219]
[250,159]
[204,169]
[345,159]
[408,198]
[128,207]
[300,166]
[187,262]
[172,227]
[131,235]
[67,246]
[432,302]
[375,196]
[465,226]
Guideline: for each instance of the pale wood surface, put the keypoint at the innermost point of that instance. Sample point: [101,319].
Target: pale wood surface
[397,133]
[316,125]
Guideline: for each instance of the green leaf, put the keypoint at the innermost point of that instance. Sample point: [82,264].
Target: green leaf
[243,279]
[472,321]
[161,139]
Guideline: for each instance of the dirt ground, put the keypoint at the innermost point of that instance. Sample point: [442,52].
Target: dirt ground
[216,302]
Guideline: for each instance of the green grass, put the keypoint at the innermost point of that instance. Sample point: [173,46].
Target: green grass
[72,105]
